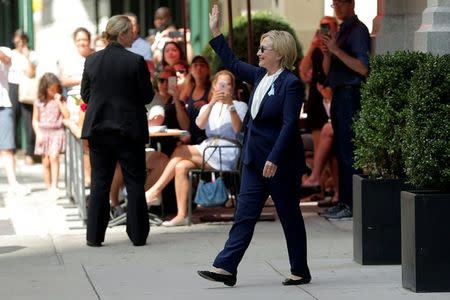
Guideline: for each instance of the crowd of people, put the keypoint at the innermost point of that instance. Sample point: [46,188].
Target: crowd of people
[121,84]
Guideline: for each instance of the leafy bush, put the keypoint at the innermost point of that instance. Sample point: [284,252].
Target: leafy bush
[427,136]
[262,22]
[379,126]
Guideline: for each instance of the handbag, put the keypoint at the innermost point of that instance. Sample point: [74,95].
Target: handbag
[28,90]
[212,193]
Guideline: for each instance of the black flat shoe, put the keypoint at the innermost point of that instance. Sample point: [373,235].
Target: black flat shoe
[289,281]
[229,280]
[139,244]
[93,244]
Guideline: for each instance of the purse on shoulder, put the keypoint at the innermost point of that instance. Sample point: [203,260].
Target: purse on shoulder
[28,90]
[212,193]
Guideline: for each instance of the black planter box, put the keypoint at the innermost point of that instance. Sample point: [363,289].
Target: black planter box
[376,220]
[425,241]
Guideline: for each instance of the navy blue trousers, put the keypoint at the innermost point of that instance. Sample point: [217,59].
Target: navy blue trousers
[104,153]
[255,189]
[346,103]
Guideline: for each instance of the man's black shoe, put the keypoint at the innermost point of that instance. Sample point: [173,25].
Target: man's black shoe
[290,281]
[229,280]
[93,244]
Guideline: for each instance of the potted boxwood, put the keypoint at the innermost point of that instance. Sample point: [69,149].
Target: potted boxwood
[425,223]
[379,130]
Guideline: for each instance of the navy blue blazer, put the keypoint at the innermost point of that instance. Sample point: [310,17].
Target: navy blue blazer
[274,133]
[116,85]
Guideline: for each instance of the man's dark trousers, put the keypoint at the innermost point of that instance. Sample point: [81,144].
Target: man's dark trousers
[104,153]
[344,106]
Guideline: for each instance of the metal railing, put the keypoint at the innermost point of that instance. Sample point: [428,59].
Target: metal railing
[74,168]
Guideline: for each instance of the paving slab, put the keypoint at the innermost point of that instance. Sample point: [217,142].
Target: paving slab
[42,256]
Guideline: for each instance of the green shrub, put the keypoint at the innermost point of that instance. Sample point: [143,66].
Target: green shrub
[379,126]
[262,22]
[427,136]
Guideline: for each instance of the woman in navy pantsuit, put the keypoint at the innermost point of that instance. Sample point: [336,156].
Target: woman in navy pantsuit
[273,158]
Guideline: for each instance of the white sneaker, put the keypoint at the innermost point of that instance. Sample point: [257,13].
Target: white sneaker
[18,190]
[53,193]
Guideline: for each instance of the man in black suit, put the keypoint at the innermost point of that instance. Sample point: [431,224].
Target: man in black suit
[116,85]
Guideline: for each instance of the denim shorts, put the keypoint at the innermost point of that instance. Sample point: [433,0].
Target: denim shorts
[7,129]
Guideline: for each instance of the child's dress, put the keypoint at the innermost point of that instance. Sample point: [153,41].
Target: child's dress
[52,128]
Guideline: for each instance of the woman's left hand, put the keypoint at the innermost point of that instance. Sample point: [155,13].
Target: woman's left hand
[269,169]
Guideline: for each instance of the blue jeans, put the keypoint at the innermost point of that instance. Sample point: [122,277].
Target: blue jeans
[344,106]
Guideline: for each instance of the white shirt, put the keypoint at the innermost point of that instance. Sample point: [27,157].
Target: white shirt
[71,66]
[261,90]
[19,66]
[141,47]
[4,69]
[156,107]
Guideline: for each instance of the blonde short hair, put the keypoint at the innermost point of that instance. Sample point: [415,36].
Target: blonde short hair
[116,25]
[284,43]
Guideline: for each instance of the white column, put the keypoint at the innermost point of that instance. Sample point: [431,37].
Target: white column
[434,33]
[399,21]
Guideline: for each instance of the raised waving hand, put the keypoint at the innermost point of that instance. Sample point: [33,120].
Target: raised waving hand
[214,20]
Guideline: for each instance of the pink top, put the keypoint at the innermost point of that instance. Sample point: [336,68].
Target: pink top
[50,116]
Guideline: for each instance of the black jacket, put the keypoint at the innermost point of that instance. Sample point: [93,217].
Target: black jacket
[116,86]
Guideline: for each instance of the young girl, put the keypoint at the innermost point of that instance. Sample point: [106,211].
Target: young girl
[48,112]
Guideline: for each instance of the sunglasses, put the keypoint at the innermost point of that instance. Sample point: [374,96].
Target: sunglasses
[162,80]
[182,71]
[263,48]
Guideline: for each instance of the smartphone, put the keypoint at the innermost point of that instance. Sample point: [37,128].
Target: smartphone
[222,86]
[325,29]
[171,84]
[175,34]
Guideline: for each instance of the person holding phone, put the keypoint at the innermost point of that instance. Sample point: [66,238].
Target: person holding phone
[346,64]
[221,119]
[311,72]
[271,164]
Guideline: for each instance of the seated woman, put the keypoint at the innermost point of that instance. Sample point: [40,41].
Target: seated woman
[222,119]
[323,154]
[165,109]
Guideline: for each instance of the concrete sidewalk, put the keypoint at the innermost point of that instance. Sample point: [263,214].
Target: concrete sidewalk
[44,256]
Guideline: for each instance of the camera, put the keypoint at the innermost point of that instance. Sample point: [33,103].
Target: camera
[325,29]
[175,34]
[171,84]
